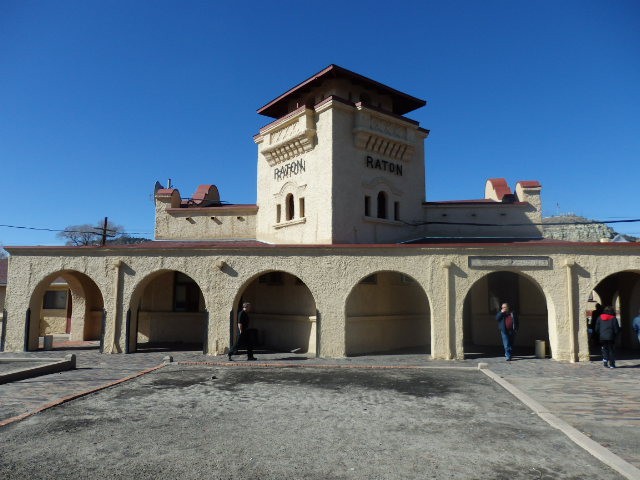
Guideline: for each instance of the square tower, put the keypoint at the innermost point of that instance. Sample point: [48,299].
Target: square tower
[340,163]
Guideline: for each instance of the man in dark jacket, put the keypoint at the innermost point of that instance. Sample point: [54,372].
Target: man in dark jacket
[508,326]
[245,337]
[607,329]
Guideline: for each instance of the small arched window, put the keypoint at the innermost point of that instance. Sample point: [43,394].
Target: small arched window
[289,207]
[382,205]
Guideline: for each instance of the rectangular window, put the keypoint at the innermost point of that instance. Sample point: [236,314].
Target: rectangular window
[186,294]
[55,300]
[367,206]
[278,213]
[396,210]
[301,209]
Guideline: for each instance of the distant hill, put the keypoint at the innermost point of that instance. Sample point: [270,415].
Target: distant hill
[127,240]
[575,231]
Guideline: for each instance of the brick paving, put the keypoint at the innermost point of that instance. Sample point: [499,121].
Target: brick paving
[602,403]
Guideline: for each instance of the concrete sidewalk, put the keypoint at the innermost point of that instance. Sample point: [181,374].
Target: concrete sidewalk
[603,404]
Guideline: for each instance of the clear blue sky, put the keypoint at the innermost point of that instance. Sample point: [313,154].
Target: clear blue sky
[99,99]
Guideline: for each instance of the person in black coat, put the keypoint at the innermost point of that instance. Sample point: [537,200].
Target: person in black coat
[607,329]
[245,337]
[508,326]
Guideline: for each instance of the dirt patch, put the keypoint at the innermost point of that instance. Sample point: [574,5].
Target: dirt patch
[315,423]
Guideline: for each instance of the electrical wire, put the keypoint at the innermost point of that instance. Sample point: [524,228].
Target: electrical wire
[97,231]
[475,224]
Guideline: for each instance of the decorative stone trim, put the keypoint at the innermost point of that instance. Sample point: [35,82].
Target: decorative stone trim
[290,139]
[366,140]
[288,223]
[376,183]
[520,261]
[382,135]
[384,221]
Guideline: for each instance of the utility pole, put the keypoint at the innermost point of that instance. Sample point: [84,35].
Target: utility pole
[104,232]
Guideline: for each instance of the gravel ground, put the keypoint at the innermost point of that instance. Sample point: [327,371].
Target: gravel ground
[204,422]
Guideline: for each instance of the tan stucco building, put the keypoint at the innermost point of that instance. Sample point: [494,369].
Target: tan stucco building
[341,255]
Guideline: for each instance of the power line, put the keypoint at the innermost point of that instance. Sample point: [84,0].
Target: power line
[475,224]
[96,231]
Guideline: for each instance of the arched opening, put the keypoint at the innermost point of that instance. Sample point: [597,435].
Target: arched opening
[66,310]
[283,313]
[622,292]
[289,204]
[167,312]
[387,312]
[481,337]
[382,205]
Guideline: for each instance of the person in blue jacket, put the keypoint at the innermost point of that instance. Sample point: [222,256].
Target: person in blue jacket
[636,326]
[508,326]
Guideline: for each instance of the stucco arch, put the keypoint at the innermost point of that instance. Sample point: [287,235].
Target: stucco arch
[158,315]
[387,311]
[284,311]
[525,294]
[621,290]
[87,302]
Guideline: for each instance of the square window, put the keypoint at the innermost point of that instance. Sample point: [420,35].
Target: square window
[55,300]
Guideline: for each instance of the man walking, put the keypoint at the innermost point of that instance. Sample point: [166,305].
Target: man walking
[508,326]
[607,328]
[244,335]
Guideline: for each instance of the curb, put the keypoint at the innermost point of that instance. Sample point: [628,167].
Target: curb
[73,396]
[51,366]
[594,448]
[233,364]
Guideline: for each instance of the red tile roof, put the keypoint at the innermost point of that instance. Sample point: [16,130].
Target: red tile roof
[500,186]
[254,244]
[402,102]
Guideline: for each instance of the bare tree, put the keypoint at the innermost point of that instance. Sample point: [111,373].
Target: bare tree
[86,234]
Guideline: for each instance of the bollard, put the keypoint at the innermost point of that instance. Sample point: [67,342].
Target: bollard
[541,349]
[48,342]
[71,358]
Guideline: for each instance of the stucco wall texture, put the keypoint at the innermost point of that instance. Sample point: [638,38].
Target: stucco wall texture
[330,273]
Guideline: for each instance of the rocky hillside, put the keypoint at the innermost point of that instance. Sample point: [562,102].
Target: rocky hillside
[575,230]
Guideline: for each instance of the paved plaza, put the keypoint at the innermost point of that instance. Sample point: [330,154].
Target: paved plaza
[396,416]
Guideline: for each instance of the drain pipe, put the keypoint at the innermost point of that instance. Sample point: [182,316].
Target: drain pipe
[571,310]
[27,327]
[3,335]
[113,347]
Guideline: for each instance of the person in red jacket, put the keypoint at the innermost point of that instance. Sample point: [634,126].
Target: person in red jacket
[607,329]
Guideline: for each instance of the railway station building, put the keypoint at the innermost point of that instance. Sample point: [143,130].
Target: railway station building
[342,254]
